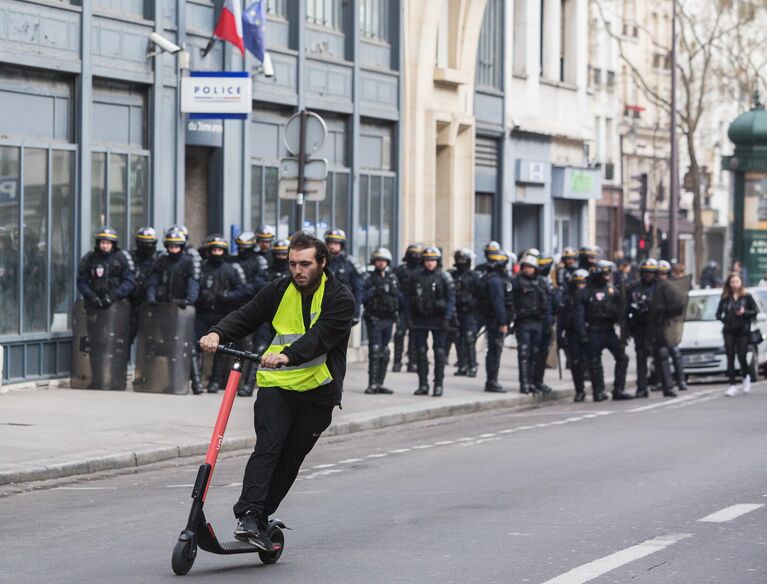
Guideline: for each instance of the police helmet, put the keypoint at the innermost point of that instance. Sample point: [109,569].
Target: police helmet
[664,267]
[381,254]
[588,251]
[183,229]
[529,260]
[569,253]
[498,258]
[580,275]
[174,237]
[107,233]
[265,233]
[604,267]
[491,246]
[431,253]
[245,240]
[463,256]
[338,235]
[145,237]
[413,251]
[532,252]
[216,241]
[280,246]
[649,265]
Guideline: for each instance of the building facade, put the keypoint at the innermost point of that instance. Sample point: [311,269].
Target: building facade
[97,137]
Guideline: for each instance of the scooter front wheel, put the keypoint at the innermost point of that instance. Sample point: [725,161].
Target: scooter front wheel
[184,553]
[278,541]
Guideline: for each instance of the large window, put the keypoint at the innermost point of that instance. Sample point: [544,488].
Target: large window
[37,256]
[374,19]
[277,8]
[483,221]
[325,13]
[489,61]
[120,160]
[375,214]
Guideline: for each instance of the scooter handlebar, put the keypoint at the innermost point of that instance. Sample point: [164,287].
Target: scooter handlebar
[247,355]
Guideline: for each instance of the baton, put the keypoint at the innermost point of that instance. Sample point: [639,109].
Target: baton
[559,365]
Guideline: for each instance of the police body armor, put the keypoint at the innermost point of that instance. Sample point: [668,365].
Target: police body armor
[564,277]
[214,285]
[640,297]
[429,293]
[144,266]
[466,290]
[529,299]
[106,271]
[278,269]
[255,268]
[344,269]
[384,302]
[602,307]
[166,344]
[100,349]
[174,275]
[484,302]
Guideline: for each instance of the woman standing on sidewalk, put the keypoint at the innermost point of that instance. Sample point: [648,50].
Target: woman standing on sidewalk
[736,310]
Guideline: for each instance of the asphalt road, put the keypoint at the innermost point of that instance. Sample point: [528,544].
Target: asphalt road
[564,494]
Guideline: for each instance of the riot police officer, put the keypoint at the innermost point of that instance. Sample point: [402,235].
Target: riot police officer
[597,312]
[105,275]
[188,248]
[430,304]
[222,287]
[530,309]
[466,283]
[494,306]
[664,351]
[567,271]
[545,264]
[144,257]
[491,247]
[587,258]
[404,272]
[255,267]
[174,277]
[382,300]
[639,297]
[265,238]
[345,267]
[567,336]
[279,266]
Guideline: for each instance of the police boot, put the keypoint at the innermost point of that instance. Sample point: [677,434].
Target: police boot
[196,373]
[539,367]
[619,385]
[598,379]
[676,360]
[399,347]
[440,360]
[641,391]
[373,364]
[471,354]
[577,370]
[423,372]
[523,354]
[663,368]
[249,380]
[493,368]
[214,383]
[413,357]
[383,364]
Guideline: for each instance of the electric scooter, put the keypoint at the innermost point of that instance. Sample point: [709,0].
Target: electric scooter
[198,532]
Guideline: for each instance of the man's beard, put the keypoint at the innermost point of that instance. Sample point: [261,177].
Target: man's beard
[310,283]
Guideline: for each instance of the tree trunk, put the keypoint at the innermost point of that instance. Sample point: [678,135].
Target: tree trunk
[697,207]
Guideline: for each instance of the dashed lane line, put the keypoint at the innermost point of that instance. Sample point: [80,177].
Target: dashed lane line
[590,571]
[731,512]
[665,404]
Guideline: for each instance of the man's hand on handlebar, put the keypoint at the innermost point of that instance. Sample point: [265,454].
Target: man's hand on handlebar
[210,342]
[273,360]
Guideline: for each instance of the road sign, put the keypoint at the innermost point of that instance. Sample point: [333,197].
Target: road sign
[314,190]
[314,168]
[314,137]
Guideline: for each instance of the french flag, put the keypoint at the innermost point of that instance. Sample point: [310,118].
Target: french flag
[229,26]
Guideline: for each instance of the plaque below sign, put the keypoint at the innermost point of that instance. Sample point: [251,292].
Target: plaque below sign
[205,133]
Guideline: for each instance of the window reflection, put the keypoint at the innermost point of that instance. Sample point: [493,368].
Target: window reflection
[62,239]
[9,239]
[35,231]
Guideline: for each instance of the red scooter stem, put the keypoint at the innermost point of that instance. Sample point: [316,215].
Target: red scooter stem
[223,418]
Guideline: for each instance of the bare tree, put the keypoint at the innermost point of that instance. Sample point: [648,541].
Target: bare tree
[719,56]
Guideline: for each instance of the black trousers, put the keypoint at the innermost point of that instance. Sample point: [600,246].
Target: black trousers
[287,429]
[736,344]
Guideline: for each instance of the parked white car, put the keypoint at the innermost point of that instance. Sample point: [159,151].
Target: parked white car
[702,345]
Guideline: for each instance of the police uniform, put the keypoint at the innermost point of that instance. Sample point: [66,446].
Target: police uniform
[404,272]
[222,288]
[105,277]
[346,269]
[552,303]
[530,312]
[567,336]
[565,273]
[430,305]
[382,299]
[598,310]
[144,259]
[664,351]
[639,297]
[494,308]
[467,283]
[264,239]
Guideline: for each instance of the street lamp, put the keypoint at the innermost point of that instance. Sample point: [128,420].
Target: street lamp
[674,162]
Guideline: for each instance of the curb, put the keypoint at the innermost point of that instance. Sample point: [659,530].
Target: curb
[373,421]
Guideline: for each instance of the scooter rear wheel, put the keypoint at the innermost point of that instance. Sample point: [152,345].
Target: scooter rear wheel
[278,540]
[184,553]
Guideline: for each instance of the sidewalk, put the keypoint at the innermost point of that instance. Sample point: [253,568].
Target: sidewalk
[53,433]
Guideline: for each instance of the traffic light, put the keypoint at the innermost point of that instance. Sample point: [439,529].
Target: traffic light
[642,244]
[641,187]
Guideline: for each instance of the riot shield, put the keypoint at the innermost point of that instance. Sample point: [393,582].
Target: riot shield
[668,308]
[100,350]
[165,348]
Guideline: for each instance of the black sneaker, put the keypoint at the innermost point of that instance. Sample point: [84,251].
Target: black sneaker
[252,529]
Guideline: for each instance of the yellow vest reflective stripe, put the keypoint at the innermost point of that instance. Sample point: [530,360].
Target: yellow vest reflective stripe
[288,324]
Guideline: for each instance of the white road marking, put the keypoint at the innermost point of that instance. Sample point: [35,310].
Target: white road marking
[731,512]
[444,443]
[399,450]
[510,430]
[179,486]
[377,455]
[592,570]
[350,461]
[490,435]
[468,439]
[318,466]
[90,488]
[674,402]
[423,446]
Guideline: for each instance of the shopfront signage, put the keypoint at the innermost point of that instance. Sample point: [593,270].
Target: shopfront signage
[576,183]
[533,172]
[216,94]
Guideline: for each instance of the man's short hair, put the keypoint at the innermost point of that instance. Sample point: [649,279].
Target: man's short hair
[302,240]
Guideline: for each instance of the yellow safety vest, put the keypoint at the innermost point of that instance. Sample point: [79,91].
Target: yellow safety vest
[288,324]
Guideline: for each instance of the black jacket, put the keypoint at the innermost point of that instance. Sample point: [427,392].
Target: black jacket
[736,323]
[330,334]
